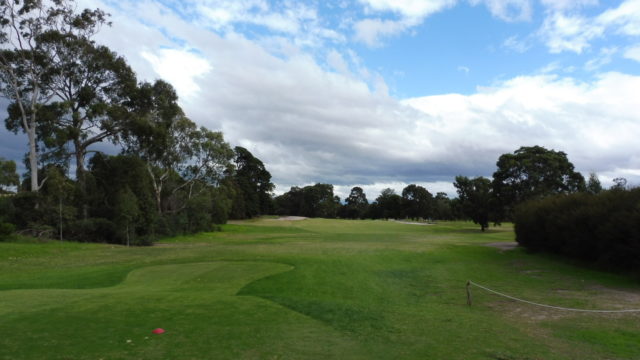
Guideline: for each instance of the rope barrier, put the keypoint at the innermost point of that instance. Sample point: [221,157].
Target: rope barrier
[538,304]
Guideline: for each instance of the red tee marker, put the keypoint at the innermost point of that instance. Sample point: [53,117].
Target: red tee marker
[158,331]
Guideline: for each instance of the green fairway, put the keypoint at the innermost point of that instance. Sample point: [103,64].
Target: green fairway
[310,289]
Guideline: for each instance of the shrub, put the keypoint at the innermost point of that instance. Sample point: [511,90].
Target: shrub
[94,230]
[6,229]
[603,229]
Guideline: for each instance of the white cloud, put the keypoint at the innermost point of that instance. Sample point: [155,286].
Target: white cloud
[569,32]
[633,53]
[409,8]
[516,44]
[625,18]
[565,5]
[508,10]
[411,13]
[179,67]
[369,31]
[562,31]
[560,113]
[604,57]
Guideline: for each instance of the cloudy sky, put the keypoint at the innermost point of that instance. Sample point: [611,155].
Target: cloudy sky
[383,93]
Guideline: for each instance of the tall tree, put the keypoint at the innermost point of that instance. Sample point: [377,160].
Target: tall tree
[389,204]
[253,183]
[475,199]
[28,60]
[533,172]
[356,203]
[417,201]
[94,89]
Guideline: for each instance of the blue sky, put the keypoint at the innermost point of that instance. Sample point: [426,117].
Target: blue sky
[384,93]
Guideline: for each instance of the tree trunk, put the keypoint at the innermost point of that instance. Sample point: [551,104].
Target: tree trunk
[60,215]
[80,177]
[127,235]
[33,157]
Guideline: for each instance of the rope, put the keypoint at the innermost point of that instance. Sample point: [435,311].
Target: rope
[551,306]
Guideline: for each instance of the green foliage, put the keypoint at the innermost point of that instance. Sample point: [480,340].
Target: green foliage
[417,202]
[6,229]
[311,201]
[99,230]
[602,229]
[8,175]
[253,186]
[388,205]
[356,206]
[593,184]
[475,197]
[532,173]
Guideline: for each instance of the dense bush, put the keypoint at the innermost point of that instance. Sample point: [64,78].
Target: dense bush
[603,229]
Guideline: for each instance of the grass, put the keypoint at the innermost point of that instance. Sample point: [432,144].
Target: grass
[311,289]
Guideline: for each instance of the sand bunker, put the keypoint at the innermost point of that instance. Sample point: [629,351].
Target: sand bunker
[291,218]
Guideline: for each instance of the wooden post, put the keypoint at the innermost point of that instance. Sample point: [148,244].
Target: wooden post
[469,292]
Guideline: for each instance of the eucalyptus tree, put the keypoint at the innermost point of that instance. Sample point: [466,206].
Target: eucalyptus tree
[28,61]
[181,158]
[532,173]
[93,89]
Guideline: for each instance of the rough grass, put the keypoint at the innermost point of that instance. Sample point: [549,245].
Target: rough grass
[311,289]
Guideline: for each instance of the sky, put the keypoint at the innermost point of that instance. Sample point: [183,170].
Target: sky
[385,93]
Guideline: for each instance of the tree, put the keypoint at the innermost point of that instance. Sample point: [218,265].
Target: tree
[417,201]
[475,199]
[593,184]
[253,183]
[93,88]
[531,173]
[389,204]
[8,175]
[620,183]
[442,207]
[28,61]
[126,210]
[356,204]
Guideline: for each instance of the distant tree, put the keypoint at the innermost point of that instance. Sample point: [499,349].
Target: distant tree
[8,175]
[442,209]
[593,184]
[356,204]
[389,204]
[531,173]
[475,199]
[417,202]
[619,183]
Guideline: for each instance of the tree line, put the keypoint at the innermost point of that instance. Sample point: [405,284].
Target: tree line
[67,93]
[415,202]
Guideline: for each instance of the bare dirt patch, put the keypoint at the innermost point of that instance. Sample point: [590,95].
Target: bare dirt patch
[503,245]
